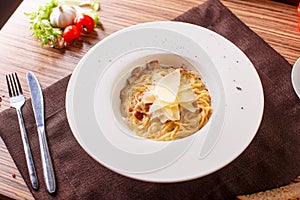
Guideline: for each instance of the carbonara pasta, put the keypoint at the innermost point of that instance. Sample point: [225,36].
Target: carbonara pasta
[165,103]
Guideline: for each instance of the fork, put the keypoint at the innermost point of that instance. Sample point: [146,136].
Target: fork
[17,100]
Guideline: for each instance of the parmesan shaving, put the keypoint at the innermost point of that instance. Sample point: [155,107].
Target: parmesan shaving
[167,95]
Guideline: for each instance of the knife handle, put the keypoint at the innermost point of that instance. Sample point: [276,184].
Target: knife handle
[28,155]
[46,161]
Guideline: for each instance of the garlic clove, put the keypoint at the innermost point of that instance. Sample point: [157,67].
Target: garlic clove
[62,16]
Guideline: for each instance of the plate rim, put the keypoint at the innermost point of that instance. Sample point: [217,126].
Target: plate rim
[295,77]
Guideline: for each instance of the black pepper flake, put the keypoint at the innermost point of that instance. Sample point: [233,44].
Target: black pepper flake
[238,88]
[242,107]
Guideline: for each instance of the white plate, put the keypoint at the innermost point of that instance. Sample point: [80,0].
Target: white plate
[296,77]
[236,91]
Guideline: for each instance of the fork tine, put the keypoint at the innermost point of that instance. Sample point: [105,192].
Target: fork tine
[18,83]
[15,84]
[12,85]
[8,86]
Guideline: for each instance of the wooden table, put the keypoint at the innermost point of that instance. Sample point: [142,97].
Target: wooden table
[275,22]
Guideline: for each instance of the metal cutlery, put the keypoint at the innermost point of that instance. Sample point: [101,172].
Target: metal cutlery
[38,108]
[17,100]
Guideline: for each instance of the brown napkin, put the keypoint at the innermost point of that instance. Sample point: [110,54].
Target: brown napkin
[271,160]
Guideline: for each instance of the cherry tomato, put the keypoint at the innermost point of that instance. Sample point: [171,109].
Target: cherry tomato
[71,33]
[85,23]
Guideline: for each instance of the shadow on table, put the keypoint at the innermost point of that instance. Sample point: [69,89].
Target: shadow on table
[291,2]
[7,7]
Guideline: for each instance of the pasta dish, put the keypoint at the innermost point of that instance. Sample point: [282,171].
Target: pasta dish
[165,103]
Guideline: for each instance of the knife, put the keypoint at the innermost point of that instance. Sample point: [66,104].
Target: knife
[38,109]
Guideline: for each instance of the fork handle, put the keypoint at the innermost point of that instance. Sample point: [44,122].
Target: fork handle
[28,156]
[46,161]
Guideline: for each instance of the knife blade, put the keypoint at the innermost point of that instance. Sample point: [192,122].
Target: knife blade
[38,109]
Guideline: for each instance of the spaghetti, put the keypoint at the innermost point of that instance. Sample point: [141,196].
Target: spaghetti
[165,103]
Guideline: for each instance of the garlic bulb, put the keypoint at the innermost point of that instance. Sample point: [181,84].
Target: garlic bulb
[62,16]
